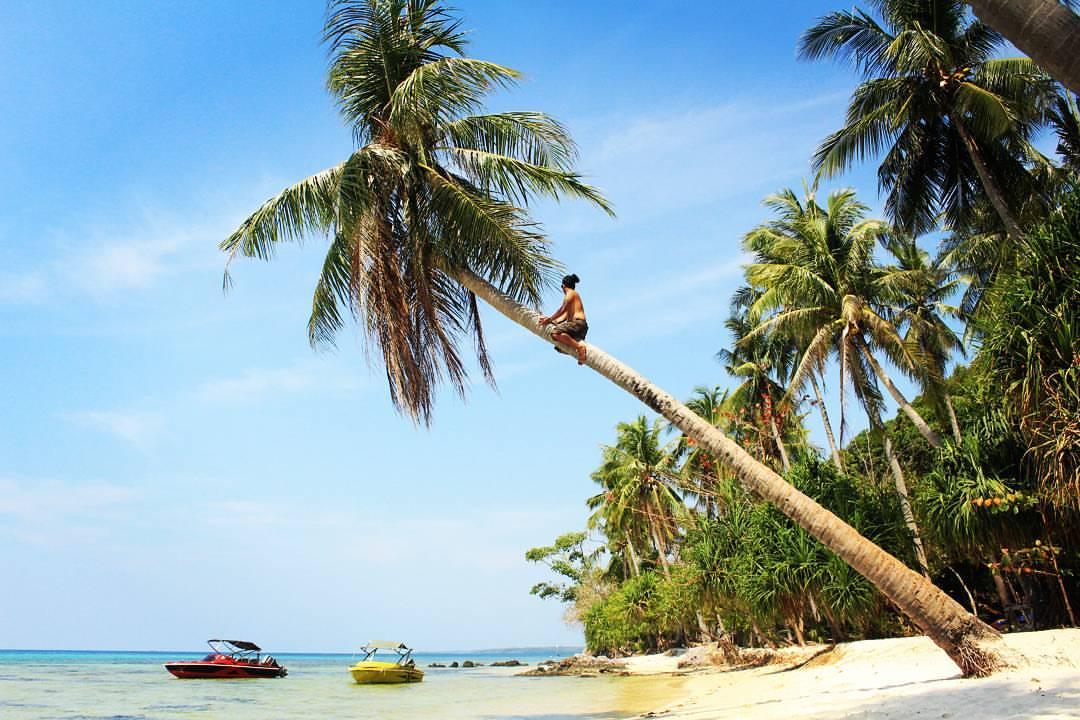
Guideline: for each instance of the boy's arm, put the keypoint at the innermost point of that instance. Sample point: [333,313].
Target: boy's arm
[554,317]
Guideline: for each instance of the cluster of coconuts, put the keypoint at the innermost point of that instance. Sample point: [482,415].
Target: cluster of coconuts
[991,502]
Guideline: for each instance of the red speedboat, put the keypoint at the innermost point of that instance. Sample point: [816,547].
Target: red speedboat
[229,659]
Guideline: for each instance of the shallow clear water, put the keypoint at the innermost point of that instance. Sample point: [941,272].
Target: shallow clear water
[134,686]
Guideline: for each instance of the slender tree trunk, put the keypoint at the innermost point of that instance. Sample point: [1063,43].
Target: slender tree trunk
[1003,593]
[921,425]
[661,553]
[703,627]
[1057,570]
[834,625]
[1045,30]
[975,647]
[635,564]
[952,419]
[779,444]
[795,623]
[833,450]
[902,492]
[990,185]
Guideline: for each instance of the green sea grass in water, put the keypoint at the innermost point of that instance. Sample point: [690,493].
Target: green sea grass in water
[134,686]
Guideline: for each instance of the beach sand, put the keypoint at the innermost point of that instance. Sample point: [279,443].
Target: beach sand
[894,678]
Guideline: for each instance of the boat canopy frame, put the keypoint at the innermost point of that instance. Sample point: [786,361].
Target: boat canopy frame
[403,651]
[235,648]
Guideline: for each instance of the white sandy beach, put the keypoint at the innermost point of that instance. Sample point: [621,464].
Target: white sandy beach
[895,678]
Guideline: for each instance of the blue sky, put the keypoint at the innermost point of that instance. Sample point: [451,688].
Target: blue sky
[177,464]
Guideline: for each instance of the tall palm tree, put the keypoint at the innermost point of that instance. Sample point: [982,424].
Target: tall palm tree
[946,114]
[765,363]
[743,299]
[700,471]
[922,289]
[405,232]
[640,497]
[816,282]
[1047,30]
[815,274]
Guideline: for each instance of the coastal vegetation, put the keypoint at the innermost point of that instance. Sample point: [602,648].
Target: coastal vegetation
[975,482]
[427,216]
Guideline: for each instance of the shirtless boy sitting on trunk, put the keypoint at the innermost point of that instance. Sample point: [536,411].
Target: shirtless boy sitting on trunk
[568,322]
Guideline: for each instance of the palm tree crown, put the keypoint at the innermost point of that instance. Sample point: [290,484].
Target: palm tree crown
[435,187]
[946,114]
[640,501]
[814,277]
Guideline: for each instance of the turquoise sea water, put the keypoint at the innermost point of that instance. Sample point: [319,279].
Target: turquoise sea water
[66,685]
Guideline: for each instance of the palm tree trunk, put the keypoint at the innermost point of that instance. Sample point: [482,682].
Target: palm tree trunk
[635,564]
[828,425]
[661,553]
[779,444]
[990,185]
[902,492]
[1045,30]
[974,646]
[924,429]
[952,419]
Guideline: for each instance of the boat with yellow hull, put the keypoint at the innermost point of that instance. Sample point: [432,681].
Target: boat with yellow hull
[370,671]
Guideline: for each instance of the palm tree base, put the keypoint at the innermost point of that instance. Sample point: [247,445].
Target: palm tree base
[979,650]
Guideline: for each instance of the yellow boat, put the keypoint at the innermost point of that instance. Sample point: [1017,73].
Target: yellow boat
[372,671]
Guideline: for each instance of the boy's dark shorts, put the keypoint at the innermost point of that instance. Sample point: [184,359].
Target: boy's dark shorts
[576,329]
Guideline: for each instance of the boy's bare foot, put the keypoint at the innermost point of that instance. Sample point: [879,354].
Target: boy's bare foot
[581,354]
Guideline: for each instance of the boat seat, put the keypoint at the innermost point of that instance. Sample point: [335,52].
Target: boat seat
[269,660]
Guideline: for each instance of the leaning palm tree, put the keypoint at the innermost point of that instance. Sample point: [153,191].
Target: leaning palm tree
[434,187]
[946,114]
[428,214]
[815,278]
[1047,30]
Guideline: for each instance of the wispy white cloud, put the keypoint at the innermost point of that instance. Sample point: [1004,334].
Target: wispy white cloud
[110,259]
[378,540]
[56,513]
[656,163]
[256,383]
[120,265]
[21,288]
[103,258]
[137,428]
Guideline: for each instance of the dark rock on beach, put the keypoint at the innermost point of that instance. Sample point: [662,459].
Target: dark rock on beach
[508,663]
[436,665]
[454,664]
[579,666]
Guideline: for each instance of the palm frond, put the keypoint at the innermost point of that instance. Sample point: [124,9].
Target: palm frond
[334,291]
[853,36]
[306,208]
[518,180]
[443,90]
[529,136]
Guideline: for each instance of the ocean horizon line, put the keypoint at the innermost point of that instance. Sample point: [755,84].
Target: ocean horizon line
[526,649]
